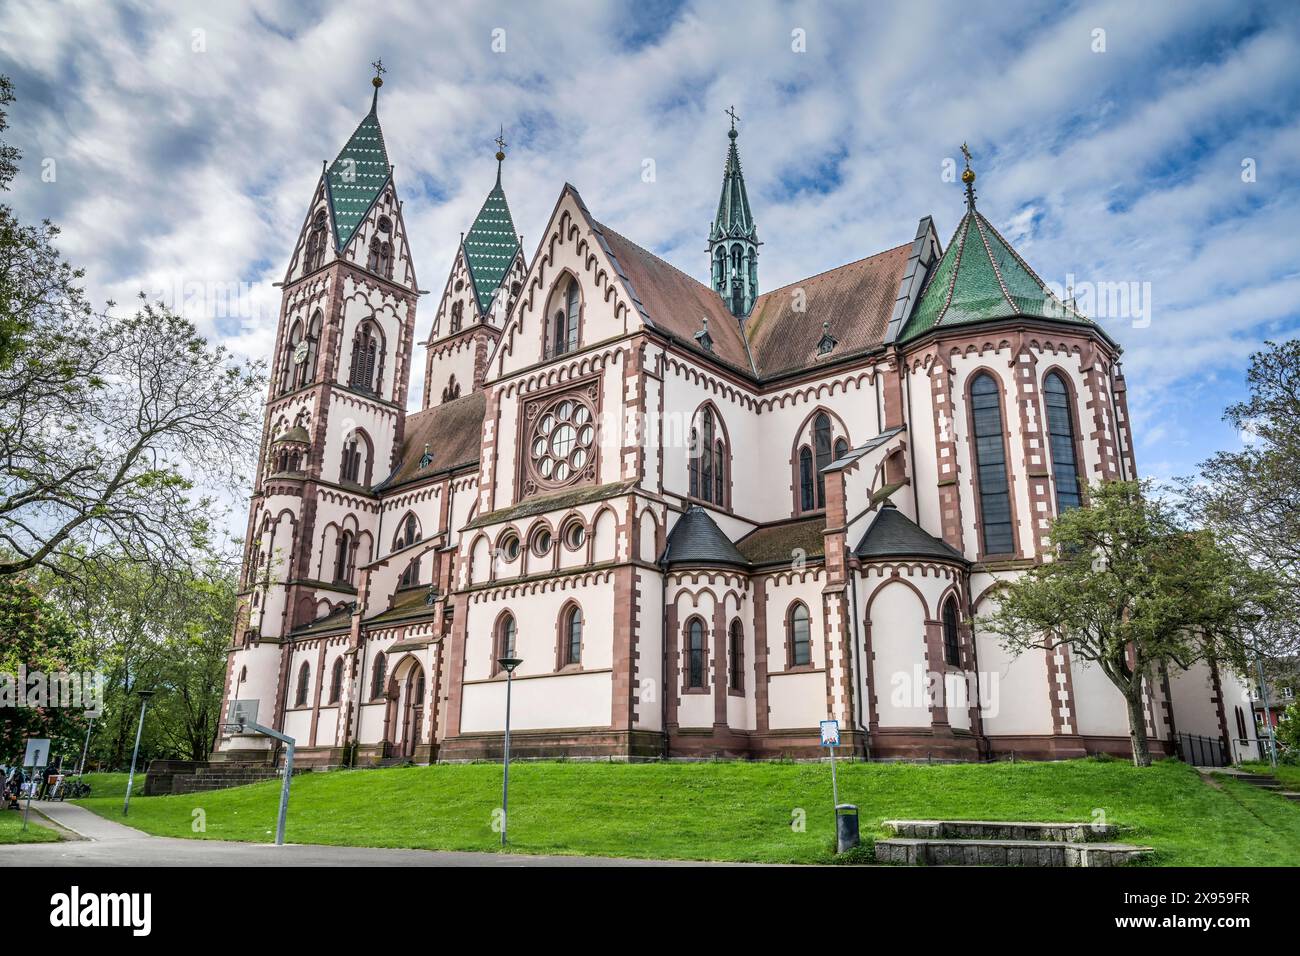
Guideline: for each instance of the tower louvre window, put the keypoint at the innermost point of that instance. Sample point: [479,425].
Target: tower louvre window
[365,354]
[314,257]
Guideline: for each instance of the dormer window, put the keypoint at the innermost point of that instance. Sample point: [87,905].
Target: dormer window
[827,342]
[703,338]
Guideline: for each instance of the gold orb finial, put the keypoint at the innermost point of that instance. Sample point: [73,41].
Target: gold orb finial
[968,175]
[378,80]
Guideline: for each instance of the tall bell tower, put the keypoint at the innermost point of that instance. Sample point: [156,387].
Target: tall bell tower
[733,238]
[335,414]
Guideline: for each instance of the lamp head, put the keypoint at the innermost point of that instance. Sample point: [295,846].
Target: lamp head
[508,664]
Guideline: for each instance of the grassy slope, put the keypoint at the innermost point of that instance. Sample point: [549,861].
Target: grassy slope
[1287,774]
[113,785]
[732,811]
[11,828]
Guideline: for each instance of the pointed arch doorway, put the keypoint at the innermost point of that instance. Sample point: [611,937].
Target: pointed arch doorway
[406,716]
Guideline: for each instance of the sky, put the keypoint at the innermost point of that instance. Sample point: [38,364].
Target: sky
[1145,152]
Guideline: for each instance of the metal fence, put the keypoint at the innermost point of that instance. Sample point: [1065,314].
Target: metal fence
[1202,751]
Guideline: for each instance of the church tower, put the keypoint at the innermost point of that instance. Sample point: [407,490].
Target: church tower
[335,414]
[733,239]
[486,277]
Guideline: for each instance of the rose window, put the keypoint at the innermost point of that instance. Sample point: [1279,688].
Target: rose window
[562,441]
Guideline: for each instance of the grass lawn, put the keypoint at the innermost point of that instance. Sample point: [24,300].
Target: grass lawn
[113,785]
[11,828]
[730,811]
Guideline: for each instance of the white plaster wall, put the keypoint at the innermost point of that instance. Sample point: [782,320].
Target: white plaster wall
[1099,707]
[542,703]
[898,642]
[797,699]
[649,637]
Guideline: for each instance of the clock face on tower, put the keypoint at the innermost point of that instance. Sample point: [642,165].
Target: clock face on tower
[561,441]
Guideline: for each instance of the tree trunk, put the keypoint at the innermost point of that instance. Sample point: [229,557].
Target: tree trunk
[1137,726]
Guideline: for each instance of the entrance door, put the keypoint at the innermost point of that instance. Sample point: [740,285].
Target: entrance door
[413,717]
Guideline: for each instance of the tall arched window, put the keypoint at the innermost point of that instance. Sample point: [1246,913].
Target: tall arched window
[304,679]
[951,644]
[365,356]
[314,257]
[1060,432]
[353,451]
[991,465]
[305,354]
[564,323]
[343,557]
[408,532]
[736,656]
[378,675]
[800,637]
[708,460]
[841,448]
[457,316]
[572,634]
[695,653]
[504,641]
[807,488]
[290,372]
[336,681]
[822,449]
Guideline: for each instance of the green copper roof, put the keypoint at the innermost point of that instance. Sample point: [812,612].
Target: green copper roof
[734,217]
[491,244]
[981,278]
[357,176]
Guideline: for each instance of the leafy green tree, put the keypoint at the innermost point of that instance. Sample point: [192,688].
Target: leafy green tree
[1132,588]
[1251,497]
[37,636]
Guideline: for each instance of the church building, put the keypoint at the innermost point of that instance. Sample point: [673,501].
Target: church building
[703,517]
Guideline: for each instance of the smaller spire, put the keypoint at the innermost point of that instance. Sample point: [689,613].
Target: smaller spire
[968,177]
[501,151]
[377,82]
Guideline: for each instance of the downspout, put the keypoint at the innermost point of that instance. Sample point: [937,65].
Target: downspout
[911,445]
[663,644]
[857,655]
[982,740]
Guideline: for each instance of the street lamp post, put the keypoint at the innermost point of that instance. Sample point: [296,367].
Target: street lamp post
[130,780]
[508,664]
[81,767]
[1253,622]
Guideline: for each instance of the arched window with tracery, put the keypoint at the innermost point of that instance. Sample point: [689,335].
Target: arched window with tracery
[696,654]
[457,316]
[736,657]
[1060,431]
[799,643]
[814,456]
[951,641]
[290,367]
[343,557]
[336,681]
[304,680]
[355,451]
[564,320]
[991,465]
[365,358]
[378,675]
[709,460]
[571,636]
[314,256]
[452,390]
[503,641]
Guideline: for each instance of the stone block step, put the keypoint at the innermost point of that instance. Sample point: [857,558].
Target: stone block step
[1001,830]
[944,852]
[1290,795]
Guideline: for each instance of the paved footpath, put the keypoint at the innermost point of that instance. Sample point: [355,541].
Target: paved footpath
[106,843]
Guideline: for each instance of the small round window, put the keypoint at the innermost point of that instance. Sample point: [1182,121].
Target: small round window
[561,445]
[542,543]
[574,535]
[510,548]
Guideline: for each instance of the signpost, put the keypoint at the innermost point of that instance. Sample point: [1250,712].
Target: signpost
[243,719]
[37,747]
[831,740]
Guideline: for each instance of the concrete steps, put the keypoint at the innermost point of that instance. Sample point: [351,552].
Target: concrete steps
[1263,781]
[1003,843]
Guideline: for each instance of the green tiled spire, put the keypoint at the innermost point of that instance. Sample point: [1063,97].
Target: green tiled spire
[981,278]
[733,237]
[491,243]
[358,175]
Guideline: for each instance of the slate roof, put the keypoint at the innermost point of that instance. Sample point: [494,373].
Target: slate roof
[453,431]
[981,278]
[856,300]
[782,543]
[491,245]
[564,499]
[339,619]
[894,535]
[696,539]
[408,604]
[357,176]
[671,300]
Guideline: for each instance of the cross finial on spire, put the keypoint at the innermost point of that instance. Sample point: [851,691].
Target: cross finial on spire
[968,177]
[731,111]
[377,82]
[501,151]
